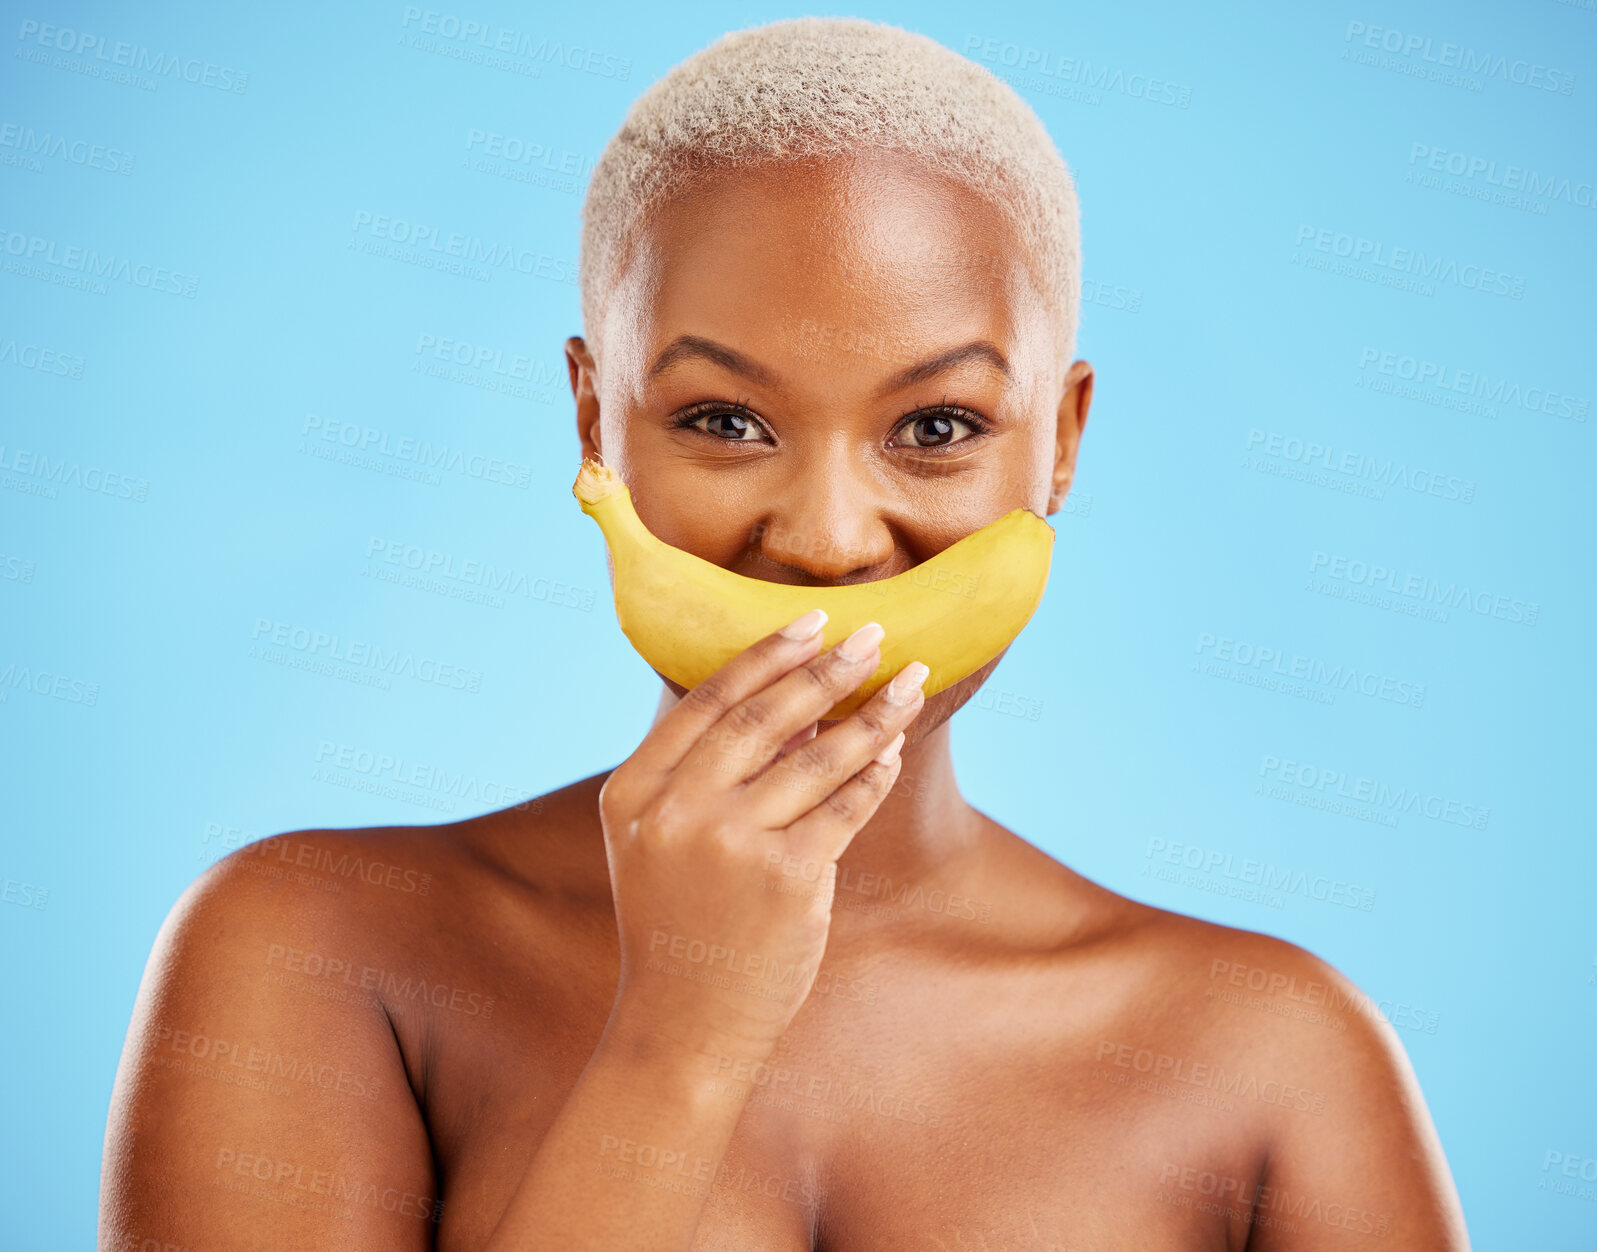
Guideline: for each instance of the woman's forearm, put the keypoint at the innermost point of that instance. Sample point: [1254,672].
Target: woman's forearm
[689,822]
[629,1161]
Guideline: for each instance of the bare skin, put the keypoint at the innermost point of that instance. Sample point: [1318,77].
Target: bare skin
[989,1052]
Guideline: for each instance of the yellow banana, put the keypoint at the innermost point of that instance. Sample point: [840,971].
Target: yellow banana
[687,616]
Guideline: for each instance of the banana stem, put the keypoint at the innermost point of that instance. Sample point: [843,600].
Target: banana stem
[606,499]
[595,482]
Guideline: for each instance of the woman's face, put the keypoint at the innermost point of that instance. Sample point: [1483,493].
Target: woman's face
[826,374]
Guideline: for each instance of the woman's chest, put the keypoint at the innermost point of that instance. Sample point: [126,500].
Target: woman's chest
[889,1135]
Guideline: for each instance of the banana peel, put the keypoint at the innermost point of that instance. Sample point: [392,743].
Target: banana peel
[687,616]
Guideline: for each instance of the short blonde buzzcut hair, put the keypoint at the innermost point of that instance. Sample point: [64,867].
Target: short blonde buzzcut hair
[816,87]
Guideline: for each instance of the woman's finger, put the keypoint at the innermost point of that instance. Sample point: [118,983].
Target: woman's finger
[823,834]
[804,777]
[748,737]
[750,671]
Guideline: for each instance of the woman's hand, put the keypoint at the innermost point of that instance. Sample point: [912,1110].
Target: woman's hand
[701,819]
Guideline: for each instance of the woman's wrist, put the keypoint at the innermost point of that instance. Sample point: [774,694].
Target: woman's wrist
[690,1053]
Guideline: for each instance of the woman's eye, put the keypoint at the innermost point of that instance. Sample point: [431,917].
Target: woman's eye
[934,430]
[731,427]
[930,430]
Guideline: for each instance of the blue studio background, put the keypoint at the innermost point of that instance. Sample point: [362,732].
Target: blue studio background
[1317,600]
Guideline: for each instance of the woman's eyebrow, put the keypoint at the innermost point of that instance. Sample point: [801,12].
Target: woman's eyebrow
[979,349]
[684,347]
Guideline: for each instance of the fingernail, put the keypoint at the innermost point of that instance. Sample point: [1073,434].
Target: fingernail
[806,626]
[907,681]
[858,646]
[890,750]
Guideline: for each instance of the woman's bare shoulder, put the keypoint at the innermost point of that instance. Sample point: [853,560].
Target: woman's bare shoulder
[1256,1019]
[1237,993]
[1203,966]
[1279,1039]
[368,869]
[272,1003]
[382,898]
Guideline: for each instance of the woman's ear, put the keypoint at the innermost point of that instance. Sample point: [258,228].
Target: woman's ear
[1072,421]
[585,390]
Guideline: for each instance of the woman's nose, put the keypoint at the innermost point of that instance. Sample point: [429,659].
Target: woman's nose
[821,538]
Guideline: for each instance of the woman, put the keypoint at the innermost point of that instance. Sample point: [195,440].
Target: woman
[830,278]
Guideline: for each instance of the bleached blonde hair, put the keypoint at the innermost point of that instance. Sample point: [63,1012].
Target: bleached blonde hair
[815,87]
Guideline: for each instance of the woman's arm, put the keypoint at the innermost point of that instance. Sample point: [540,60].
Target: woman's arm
[256,1105]
[1361,1169]
[631,1158]
[691,823]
